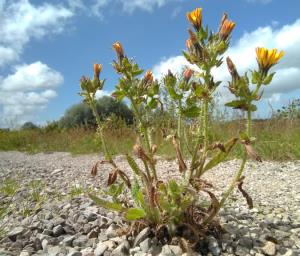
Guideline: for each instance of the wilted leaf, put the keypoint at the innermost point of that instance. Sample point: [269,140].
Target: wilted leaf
[125,178]
[214,207]
[244,193]
[135,214]
[112,177]
[250,151]
[106,204]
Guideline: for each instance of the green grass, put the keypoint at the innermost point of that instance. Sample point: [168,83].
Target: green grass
[276,139]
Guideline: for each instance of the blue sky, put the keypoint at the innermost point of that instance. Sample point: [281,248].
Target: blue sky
[45,46]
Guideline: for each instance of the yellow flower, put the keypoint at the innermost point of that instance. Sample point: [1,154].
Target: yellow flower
[195,18]
[97,70]
[267,58]
[148,78]
[226,27]
[119,49]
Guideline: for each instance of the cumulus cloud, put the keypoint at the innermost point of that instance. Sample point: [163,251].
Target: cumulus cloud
[128,6]
[242,52]
[29,87]
[22,21]
[27,91]
[31,77]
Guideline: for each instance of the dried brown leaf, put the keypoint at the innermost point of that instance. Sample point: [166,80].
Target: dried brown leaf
[214,207]
[125,178]
[112,177]
[244,193]
[251,153]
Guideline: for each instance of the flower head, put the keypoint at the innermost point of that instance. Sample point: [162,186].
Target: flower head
[97,70]
[148,78]
[226,27]
[267,58]
[119,50]
[195,18]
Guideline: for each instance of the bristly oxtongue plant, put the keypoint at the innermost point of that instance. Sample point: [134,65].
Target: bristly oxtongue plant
[166,205]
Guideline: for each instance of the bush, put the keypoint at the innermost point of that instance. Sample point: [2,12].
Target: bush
[29,126]
[80,115]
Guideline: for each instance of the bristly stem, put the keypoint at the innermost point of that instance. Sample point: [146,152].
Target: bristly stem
[98,120]
[146,135]
[205,124]
[237,176]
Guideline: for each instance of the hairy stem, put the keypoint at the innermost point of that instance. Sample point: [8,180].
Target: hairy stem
[237,177]
[146,135]
[98,120]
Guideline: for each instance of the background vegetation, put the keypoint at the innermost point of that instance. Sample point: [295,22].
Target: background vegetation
[278,138]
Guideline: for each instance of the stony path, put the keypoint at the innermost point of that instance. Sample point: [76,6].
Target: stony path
[73,226]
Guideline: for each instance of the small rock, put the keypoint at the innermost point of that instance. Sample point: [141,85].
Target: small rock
[88,252]
[121,250]
[75,253]
[141,236]
[58,230]
[24,253]
[15,232]
[269,248]
[53,251]
[111,231]
[56,171]
[80,241]
[213,246]
[68,240]
[145,245]
[100,249]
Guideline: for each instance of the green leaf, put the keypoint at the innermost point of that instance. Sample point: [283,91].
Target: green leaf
[174,189]
[119,95]
[116,189]
[152,103]
[255,77]
[220,157]
[268,79]
[191,112]
[134,166]
[106,204]
[135,214]
[173,93]
[238,104]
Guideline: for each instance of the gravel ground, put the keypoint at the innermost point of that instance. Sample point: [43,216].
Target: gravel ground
[75,226]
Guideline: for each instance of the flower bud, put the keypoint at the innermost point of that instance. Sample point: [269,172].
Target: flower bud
[119,50]
[189,44]
[187,74]
[97,70]
[226,27]
[232,69]
[148,78]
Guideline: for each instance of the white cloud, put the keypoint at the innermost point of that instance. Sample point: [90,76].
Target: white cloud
[31,77]
[27,91]
[128,6]
[22,21]
[102,93]
[31,86]
[242,53]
